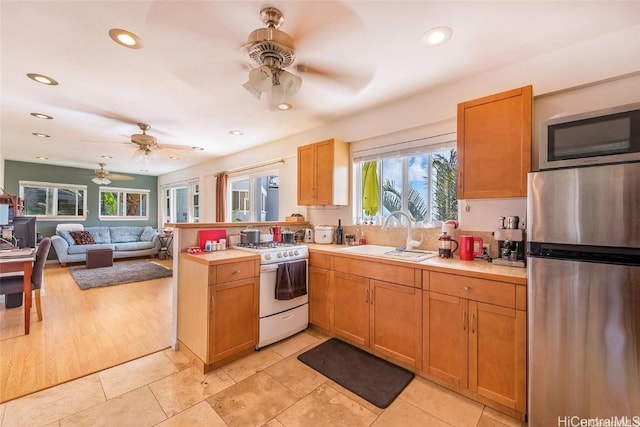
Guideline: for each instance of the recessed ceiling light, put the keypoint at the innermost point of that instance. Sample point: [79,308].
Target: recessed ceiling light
[41,135]
[42,158]
[197,148]
[125,38]
[236,132]
[106,157]
[144,170]
[284,106]
[436,36]
[174,158]
[41,116]
[41,78]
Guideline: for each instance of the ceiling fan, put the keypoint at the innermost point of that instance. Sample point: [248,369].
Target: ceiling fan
[148,144]
[104,177]
[273,51]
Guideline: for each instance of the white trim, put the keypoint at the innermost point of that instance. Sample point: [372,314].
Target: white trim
[406,148]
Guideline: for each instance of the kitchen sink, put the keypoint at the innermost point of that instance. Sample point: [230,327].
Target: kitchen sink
[389,252]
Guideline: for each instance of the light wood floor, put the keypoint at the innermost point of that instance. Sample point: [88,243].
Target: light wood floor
[82,332]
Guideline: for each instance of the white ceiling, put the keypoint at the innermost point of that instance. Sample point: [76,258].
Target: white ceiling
[186,81]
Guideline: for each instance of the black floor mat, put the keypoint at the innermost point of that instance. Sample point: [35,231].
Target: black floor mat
[364,374]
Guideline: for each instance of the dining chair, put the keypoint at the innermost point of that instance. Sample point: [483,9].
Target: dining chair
[13,286]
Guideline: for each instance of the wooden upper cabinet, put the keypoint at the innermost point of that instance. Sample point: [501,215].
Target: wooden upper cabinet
[494,145]
[323,173]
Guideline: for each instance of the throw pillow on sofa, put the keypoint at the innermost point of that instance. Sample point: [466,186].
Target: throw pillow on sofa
[148,234]
[82,237]
[66,235]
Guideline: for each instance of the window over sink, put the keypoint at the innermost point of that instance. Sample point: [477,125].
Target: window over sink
[418,177]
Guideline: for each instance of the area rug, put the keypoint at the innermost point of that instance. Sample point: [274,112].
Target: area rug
[121,272]
[362,373]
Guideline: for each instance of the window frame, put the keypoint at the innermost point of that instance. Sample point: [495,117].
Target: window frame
[56,187]
[256,200]
[169,201]
[122,199]
[403,151]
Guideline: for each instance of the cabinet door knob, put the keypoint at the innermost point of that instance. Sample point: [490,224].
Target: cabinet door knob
[366,295]
[236,271]
[467,288]
[473,323]
[464,320]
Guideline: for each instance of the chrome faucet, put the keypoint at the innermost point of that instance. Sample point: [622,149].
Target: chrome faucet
[410,242]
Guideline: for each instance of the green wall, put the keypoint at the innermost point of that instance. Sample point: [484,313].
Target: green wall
[22,171]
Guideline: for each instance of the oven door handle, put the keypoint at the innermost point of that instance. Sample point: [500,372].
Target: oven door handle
[268,268]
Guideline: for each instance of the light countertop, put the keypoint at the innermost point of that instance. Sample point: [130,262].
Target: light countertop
[476,268]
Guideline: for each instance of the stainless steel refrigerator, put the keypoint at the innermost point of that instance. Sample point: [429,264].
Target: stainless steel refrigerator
[584,295]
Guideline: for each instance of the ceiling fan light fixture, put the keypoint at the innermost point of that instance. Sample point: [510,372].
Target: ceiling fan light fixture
[144,154]
[284,106]
[101,181]
[252,90]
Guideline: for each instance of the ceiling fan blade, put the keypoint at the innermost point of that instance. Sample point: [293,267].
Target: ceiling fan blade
[118,177]
[312,23]
[353,82]
[201,20]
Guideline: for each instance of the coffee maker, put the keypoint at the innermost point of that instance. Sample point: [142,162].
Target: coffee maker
[510,242]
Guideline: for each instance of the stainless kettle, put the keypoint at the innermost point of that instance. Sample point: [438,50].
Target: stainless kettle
[308,235]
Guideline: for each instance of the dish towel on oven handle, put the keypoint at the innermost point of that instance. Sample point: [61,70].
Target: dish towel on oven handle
[291,280]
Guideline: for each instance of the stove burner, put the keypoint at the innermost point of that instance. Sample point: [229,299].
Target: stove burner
[265,245]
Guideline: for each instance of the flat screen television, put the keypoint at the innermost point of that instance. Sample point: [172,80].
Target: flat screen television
[24,231]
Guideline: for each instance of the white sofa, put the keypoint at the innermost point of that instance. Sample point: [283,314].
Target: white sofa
[125,241]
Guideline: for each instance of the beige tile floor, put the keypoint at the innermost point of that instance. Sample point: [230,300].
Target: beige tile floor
[270,387]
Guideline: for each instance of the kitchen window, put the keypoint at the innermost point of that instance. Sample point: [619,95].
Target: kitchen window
[51,201]
[418,177]
[123,204]
[253,198]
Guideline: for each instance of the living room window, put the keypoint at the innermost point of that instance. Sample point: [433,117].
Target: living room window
[123,203]
[418,177]
[52,201]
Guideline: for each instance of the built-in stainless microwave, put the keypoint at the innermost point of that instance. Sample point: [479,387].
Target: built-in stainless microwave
[597,137]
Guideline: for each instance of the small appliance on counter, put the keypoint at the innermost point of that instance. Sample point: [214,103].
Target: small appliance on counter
[445,245]
[323,234]
[470,247]
[510,242]
[308,235]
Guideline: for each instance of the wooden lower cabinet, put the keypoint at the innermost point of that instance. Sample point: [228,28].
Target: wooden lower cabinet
[396,322]
[382,316]
[497,354]
[351,308]
[474,345]
[446,340]
[217,309]
[232,321]
[319,298]
[467,333]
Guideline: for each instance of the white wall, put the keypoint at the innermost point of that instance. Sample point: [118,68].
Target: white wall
[567,78]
